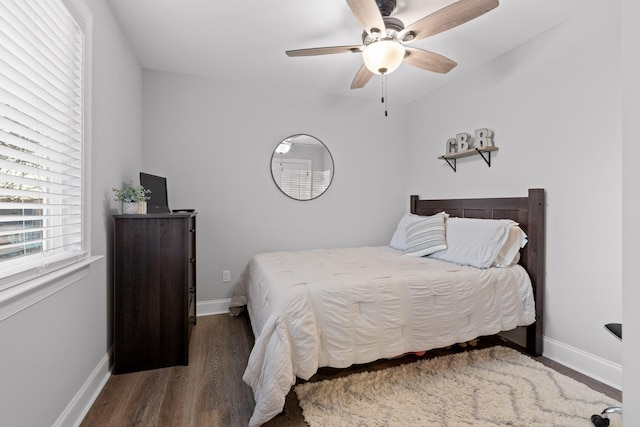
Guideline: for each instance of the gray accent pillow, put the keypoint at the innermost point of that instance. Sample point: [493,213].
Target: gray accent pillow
[426,236]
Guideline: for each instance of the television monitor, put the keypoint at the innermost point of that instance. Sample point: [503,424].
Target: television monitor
[158,203]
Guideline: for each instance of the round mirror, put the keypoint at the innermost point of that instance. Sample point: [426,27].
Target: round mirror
[302,167]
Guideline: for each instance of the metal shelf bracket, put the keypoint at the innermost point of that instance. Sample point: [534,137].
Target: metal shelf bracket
[453,166]
[487,160]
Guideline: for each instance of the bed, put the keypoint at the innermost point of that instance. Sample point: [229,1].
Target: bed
[338,307]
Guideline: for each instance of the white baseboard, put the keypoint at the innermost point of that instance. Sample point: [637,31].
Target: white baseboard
[593,366]
[217,306]
[76,410]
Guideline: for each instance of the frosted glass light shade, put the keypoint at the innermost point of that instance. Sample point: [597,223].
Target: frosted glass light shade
[383,57]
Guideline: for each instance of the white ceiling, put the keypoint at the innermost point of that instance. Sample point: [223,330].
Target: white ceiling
[245,40]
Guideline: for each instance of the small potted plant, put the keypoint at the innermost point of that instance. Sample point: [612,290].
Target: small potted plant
[134,199]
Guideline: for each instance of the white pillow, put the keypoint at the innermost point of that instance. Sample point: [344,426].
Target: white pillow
[399,238]
[510,252]
[426,236]
[474,242]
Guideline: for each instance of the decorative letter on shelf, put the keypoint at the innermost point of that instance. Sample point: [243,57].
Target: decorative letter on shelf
[452,146]
[463,145]
[483,138]
[464,141]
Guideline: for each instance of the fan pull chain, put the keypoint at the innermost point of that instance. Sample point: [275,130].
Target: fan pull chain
[384,94]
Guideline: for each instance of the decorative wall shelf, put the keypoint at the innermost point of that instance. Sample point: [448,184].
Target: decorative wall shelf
[470,152]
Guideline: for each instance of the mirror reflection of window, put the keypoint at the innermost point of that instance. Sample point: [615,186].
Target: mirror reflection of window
[295,176]
[302,167]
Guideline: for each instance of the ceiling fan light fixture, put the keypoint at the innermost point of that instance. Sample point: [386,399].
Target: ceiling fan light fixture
[283,147]
[383,56]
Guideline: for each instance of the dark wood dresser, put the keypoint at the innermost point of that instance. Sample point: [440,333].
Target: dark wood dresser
[154,290]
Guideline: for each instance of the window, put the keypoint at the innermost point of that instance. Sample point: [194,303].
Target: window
[41,138]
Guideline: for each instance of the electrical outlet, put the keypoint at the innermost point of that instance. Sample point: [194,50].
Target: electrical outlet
[226,275]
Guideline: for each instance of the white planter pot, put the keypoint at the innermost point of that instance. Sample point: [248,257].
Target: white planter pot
[129,208]
[134,208]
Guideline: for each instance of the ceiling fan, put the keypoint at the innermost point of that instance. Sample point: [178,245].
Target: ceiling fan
[385,38]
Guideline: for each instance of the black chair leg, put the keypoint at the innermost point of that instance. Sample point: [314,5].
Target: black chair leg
[599,421]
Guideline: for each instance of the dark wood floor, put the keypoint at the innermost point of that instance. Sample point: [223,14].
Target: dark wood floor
[210,391]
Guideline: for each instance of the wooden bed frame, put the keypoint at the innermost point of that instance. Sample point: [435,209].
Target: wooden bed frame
[529,212]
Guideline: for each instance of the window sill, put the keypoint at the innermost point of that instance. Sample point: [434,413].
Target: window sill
[24,295]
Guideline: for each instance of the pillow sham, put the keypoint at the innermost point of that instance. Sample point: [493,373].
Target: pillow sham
[399,238]
[426,236]
[510,252]
[473,241]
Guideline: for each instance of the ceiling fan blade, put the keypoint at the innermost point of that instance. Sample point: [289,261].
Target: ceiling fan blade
[362,77]
[368,14]
[428,60]
[446,18]
[324,50]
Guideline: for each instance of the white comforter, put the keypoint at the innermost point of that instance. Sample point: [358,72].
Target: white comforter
[338,307]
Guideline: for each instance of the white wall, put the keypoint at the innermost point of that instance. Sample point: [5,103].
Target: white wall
[630,208]
[54,353]
[555,107]
[213,140]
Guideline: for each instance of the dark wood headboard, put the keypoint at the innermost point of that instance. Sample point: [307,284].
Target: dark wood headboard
[529,213]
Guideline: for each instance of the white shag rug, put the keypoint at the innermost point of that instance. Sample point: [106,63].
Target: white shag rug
[497,386]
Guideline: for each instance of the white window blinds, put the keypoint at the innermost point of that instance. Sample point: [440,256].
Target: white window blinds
[321,181]
[41,140]
[297,183]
